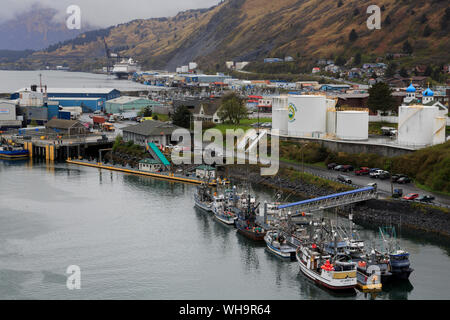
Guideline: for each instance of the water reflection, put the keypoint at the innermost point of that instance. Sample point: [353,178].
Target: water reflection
[248,252]
[160,224]
[399,290]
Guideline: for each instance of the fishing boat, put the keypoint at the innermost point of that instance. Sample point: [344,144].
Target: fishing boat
[368,277]
[246,219]
[315,264]
[223,209]
[203,199]
[399,263]
[13,152]
[278,245]
[224,214]
[355,245]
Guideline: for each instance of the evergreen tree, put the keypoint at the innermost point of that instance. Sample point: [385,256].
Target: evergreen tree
[391,69]
[423,19]
[340,61]
[182,117]
[387,21]
[353,36]
[380,98]
[428,71]
[357,60]
[340,3]
[403,72]
[427,31]
[407,48]
[444,19]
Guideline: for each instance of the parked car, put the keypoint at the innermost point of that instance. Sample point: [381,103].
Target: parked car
[331,165]
[362,171]
[373,170]
[384,175]
[397,193]
[426,198]
[338,167]
[411,196]
[403,180]
[376,173]
[345,179]
[347,167]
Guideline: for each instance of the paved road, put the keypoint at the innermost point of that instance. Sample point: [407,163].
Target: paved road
[384,186]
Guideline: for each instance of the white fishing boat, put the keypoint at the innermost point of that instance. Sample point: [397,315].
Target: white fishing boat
[223,213]
[203,199]
[277,244]
[316,265]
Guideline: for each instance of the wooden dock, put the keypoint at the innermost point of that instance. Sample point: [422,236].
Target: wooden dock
[168,176]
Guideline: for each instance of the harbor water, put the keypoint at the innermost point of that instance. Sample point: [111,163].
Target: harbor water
[136,237]
[10,81]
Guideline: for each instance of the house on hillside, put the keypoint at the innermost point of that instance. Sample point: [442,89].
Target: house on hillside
[207,112]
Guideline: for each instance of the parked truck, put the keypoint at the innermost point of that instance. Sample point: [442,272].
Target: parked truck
[98,121]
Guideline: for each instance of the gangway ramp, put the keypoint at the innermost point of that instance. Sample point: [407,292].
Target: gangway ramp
[157,154]
[332,200]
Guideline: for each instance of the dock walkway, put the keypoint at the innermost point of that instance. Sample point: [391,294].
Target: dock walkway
[160,175]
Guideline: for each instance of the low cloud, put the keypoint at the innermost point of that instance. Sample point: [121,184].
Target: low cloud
[104,13]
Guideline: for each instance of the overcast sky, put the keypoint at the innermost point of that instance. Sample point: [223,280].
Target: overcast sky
[107,12]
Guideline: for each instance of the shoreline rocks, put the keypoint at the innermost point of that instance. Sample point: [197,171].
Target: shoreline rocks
[409,216]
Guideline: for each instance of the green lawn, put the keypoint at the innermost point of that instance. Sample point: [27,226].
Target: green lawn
[161,117]
[375,127]
[245,124]
[317,164]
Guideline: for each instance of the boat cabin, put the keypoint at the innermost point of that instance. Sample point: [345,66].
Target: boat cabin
[205,171]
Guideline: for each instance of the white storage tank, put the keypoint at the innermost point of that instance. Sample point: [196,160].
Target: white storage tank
[352,125]
[440,123]
[331,121]
[280,114]
[416,125]
[307,115]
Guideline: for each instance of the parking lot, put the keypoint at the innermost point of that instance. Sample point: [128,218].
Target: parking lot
[384,186]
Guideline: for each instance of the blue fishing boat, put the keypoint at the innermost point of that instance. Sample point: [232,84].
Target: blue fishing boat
[12,152]
[398,258]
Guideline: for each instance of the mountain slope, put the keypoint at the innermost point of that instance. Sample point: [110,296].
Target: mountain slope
[254,29]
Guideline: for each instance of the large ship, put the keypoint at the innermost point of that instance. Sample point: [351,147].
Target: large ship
[125,68]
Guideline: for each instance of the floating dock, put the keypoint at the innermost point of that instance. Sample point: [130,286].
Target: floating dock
[168,176]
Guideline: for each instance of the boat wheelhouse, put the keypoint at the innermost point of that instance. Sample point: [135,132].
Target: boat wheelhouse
[315,264]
